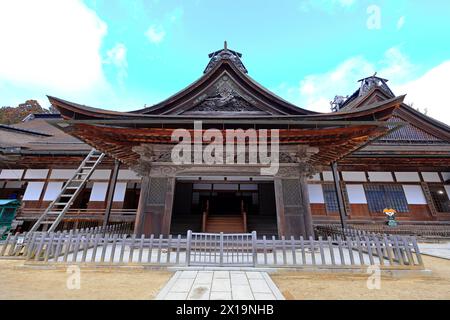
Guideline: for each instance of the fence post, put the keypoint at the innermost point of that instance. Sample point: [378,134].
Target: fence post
[188,247]
[254,249]
[221,250]
[5,244]
[417,251]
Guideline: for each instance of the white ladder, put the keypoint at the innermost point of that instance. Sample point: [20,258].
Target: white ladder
[56,211]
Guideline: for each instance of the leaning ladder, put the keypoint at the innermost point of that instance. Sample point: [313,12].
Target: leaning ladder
[56,211]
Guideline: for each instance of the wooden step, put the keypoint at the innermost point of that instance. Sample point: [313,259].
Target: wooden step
[225,223]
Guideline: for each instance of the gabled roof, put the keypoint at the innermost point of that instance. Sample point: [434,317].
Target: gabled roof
[226,97]
[224,79]
[225,89]
[419,127]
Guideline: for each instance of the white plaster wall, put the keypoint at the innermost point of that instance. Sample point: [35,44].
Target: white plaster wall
[52,190]
[356,194]
[446,175]
[36,174]
[11,174]
[407,176]
[354,176]
[119,191]
[315,192]
[33,191]
[414,194]
[380,176]
[431,177]
[98,192]
[62,173]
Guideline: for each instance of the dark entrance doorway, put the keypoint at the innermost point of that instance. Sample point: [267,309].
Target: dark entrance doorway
[224,203]
[233,207]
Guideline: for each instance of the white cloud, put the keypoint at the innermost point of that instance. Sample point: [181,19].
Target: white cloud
[401,22]
[430,92]
[155,34]
[315,91]
[52,47]
[426,92]
[117,56]
[51,44]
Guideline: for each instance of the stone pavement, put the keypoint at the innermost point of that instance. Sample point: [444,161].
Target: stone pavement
[220,285]
[440,250]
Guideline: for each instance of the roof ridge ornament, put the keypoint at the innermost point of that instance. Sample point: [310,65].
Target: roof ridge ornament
[225,54]
[374,81]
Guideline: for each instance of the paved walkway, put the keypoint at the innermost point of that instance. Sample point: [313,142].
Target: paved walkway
[440,250]
[220,285]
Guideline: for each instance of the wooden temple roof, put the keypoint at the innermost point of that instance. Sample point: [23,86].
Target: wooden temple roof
[225,97]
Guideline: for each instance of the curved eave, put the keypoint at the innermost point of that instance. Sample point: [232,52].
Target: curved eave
[71,111]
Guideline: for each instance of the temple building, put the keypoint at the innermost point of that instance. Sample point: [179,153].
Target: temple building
[370,153]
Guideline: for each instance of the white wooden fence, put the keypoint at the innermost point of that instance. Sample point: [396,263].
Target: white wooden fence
[198,249]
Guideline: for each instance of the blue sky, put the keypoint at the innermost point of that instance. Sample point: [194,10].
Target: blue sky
[121,54]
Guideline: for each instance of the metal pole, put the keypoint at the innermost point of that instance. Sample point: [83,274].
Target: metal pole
[112,188]
[340,198]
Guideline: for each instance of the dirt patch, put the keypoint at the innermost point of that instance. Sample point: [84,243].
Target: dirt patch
[19,282]
[334,286]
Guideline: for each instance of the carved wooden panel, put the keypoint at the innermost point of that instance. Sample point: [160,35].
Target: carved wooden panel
[157,192]
[291,192]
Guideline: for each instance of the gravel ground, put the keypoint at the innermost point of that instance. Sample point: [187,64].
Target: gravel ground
[332,286]
[19,282]
[22,282]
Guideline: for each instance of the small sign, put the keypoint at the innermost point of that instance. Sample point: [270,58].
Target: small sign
[20,240]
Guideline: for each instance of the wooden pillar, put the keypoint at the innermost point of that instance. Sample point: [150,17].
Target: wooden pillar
[111,190]
[339,195]
[293,210]
[154,212]
[309,228]
[140,212]
[168,206]
[279,204]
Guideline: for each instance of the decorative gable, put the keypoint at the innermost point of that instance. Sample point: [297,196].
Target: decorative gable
[225,95]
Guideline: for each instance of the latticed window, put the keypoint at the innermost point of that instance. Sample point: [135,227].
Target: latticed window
[382,196]
[440,198]
[329,194]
